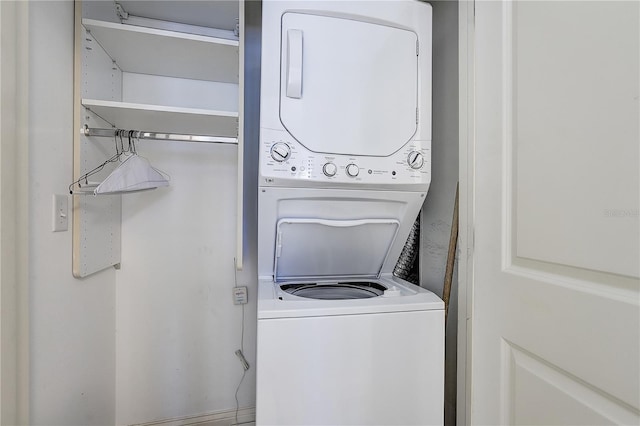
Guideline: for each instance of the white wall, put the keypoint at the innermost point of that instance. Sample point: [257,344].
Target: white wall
[177,328]
[72,345]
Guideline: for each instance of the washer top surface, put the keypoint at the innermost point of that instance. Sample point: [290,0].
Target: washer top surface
[274,301]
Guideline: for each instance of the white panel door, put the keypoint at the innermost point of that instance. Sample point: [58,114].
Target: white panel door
[348,86]
[555,313]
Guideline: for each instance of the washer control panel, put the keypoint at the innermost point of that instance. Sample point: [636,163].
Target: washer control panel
[284,158]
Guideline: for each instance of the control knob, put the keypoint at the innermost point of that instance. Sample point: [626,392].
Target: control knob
[352,170]
[329,169]
[280,152]
[415,159]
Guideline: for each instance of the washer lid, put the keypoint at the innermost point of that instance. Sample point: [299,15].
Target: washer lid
[348,86]
[321,248]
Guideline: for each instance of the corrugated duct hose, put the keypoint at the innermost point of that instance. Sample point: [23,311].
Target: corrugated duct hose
[406,267]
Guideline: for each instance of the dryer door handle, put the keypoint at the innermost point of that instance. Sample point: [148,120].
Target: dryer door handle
[294,64]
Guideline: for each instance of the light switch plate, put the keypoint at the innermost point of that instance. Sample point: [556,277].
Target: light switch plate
[60,213]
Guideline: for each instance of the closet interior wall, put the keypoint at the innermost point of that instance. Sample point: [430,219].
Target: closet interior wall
[437,212]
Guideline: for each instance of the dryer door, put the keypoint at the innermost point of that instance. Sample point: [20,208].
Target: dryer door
[348,86]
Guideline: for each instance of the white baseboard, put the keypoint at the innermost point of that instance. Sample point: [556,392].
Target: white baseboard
[246,417]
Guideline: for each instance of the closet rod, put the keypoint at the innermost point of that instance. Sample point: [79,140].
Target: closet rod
[139,134]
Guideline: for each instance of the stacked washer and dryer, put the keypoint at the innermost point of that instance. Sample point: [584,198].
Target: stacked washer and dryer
[345,165]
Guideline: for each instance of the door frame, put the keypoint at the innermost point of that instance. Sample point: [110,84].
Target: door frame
[14,212]
[466,78]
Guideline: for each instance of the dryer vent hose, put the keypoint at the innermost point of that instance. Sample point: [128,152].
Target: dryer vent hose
[406,265]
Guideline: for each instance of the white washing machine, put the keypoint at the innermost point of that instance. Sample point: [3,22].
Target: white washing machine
[344,168]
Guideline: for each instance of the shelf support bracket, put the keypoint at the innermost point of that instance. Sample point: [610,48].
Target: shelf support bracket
[122,14]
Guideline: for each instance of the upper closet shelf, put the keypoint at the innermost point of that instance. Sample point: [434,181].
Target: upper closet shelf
[168,53]
[126,115]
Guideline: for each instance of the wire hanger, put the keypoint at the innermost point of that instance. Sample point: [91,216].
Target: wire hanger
[85,177]
[134,174]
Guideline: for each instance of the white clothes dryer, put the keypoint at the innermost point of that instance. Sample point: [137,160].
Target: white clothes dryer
[346,94]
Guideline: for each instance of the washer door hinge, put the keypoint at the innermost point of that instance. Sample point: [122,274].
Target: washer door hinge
[417,48]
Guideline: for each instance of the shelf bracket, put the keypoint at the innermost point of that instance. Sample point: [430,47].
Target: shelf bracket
[122,14]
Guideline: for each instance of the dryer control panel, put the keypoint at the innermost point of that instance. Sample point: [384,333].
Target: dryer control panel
[283,160]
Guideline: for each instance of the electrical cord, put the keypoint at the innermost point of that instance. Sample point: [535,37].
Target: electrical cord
[240,353]
[244,373]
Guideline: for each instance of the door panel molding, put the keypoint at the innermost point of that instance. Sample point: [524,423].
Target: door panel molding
[523,244]
[509,177]
[615,287]
[531,377]
[570,276]
[556,104]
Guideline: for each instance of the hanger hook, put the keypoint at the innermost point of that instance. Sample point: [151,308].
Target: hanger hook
[115,139]
[135,136]
[120,132]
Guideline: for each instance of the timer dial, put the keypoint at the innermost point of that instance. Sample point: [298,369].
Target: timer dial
[352,170]
[329,169]
[415,159]
[280,152]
